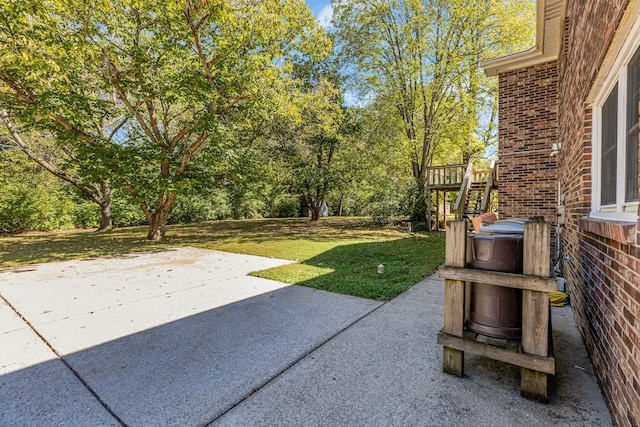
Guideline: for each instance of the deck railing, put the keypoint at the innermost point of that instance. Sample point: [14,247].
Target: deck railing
[491,178]
[445,175]
[453,175]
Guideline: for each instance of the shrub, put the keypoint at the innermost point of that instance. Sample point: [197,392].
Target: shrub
[199,207]
[126,214]
[86,214]
[285,206]
[382,212]
[26,206]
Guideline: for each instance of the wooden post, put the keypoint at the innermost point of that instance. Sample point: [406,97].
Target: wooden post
[535,308]
[429,224]
[437,210]
[444,210]
[454,291]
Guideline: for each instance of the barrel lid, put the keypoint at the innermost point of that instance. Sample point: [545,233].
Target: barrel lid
[505,226]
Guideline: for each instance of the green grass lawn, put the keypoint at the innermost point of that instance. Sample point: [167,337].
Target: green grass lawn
[335,254]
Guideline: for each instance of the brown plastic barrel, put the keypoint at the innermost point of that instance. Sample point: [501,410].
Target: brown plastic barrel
[496,311]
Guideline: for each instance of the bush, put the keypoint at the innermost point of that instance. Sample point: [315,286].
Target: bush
[18,210]
[414,203]
[126,214]
[285,206]
[248,208]
[198,208]
[28,206]
[383,212]
[86,214]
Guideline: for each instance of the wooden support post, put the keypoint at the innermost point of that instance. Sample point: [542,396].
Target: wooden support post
[535,308]
[429,223]
[444,210]
[454,291]
[437,210]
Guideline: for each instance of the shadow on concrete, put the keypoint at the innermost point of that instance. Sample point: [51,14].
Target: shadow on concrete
[186,372]
[386,370]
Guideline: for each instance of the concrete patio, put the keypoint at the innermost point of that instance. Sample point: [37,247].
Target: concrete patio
[185,338]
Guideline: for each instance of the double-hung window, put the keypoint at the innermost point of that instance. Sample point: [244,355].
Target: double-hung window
[615,136]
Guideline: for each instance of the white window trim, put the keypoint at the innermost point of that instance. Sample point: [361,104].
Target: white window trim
[621,211]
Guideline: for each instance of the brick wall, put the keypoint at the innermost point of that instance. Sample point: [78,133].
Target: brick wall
[603,269]
[527,129]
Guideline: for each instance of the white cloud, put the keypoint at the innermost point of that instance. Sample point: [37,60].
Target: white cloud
[325,15]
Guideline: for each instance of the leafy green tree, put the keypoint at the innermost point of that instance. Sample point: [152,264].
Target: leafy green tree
[184,74]
[421,57]
[308,139]
[369,168]
[44,94]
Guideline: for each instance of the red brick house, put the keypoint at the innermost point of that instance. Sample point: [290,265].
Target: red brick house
[568,141]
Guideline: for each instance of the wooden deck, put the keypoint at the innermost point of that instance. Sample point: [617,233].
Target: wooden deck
[473,187]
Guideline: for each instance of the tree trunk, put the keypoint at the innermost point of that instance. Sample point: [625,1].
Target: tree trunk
[316,209]
[157,226]
[106,221]
[340,204]
[158,218]
[419,208]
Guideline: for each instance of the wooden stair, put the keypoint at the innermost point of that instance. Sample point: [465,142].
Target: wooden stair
[473,187]
[474,197]
[473,204]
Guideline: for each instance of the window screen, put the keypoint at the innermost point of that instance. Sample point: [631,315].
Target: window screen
[609,148]
[631,152]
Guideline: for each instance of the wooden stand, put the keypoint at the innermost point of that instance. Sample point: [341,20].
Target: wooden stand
[534,353]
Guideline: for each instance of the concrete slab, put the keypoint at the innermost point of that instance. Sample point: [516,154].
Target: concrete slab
[20,346]
[191,371]
[9,321]
[184,337]
[75,333]
[177,339]
[387,370]
[36,388]
[57,291]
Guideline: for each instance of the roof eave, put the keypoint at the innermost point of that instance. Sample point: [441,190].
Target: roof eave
[550,16]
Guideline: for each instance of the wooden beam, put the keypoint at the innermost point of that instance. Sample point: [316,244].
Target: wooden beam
[530,361]
[444,203]
[486,199]
[461,201]
[454,291]
[508,280]
[537,249]
[455,255]
[534,385]
[535,308]
[437,210]
[429,224]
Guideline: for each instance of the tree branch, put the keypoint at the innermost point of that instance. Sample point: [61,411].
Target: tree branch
[115,82]
[22,93]
[189,152]
[70,128]
[25,148]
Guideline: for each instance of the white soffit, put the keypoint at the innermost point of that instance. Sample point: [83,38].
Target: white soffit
[550,16]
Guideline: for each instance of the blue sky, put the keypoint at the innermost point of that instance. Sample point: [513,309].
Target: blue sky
[322,10]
